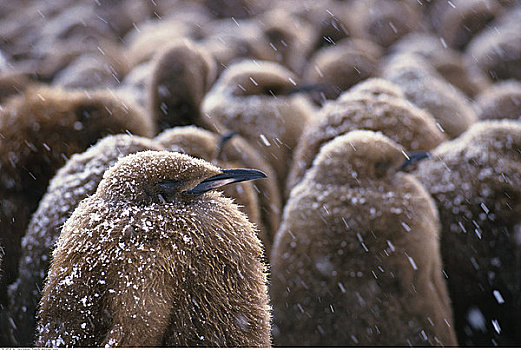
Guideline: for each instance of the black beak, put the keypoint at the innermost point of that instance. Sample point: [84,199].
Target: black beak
[224,139]
[319,87]
[228,176]
[414,157]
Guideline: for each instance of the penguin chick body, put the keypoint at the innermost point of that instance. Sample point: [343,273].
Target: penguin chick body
[40,130]
[356,260]
[340,67]
[75,181]
[251,98]
[500,101]
[370,105]
[155,258]
[458,22]
[181,75]
[260,201]
[424,87]
[449,63]
[383,22]
[496,50]
[475,181]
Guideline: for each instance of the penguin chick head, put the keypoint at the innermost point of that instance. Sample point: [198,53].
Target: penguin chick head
[161,177]
[357,157]
[261,78]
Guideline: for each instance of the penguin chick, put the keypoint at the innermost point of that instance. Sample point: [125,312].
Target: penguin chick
[229,42]
[155,258]
[500,101]
[88,72]
[356,260]
[289,37]
[251,98]
[475,181]
[496,50]
[260,201]
[328,21]
[75,181]
[424,87]
[459,21]
[180,77]
[383,22]
[411,127]
[39,131]
[375,87]
[235,8]
[151,36]
[13,83]
[341,66]
[449,63]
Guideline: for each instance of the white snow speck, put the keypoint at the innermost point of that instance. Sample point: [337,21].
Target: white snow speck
[264,140]
[413,264]
[498,297]
[476,319]
[495,323]
[406,227]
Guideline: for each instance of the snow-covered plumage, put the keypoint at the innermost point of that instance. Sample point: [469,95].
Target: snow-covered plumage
[143,263]
[356,260]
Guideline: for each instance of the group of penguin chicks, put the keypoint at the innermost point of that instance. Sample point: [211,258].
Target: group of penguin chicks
[244,173]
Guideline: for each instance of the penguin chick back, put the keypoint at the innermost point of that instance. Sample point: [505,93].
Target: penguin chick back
[140,263]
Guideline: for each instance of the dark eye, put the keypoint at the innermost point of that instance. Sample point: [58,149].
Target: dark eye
[165,190]
[381,168]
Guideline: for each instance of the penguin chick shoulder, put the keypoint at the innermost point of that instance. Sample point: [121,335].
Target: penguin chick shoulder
[155,258]
[356,260]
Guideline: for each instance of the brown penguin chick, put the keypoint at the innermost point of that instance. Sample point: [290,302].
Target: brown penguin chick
[475,181]
[180,77]
[449,63]
[398,119]
[150,37]
[75,181]
[229,41]
[424,87]
[155,258]
[459,21]
[13,83]
[339,67]
[496,51]
[122,16]
[290,38]
[89,72]
[375,87]
[500,101]
[327,18]
[236,8]
[59,55]
[134,86]
[260,201]
[39,131]
[383,22]
[251,98]
[356,260]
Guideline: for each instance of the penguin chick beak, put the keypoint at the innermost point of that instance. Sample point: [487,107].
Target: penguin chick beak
[414,157]
[228,176]
[319,87]
[223,141]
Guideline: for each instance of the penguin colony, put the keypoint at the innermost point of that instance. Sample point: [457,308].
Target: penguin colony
[277,173]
